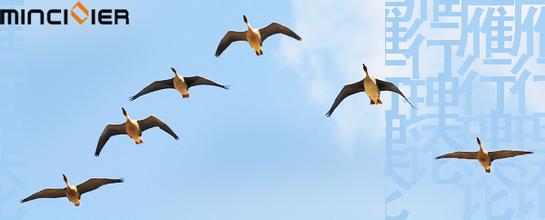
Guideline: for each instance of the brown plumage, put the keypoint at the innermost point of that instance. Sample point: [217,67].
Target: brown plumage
[484,157]
[132,128]
[255,37]
[73,193]
[369,85]
[181,84]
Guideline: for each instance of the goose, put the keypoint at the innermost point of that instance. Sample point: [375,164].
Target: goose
[178,82]
[484,157]
[72,192]
[132,128]
[369,85]
[254,36]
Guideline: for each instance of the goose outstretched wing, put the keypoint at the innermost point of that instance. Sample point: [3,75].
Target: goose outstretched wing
[154,86]
[347,90]
[46,193]
[276,28]
[230,37]
[95,183]
[153,121]
[109,131]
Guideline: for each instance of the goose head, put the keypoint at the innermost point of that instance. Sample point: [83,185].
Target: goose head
[65,179]
[175,72]
[479,143]
[246,21]
[125,113]
[365,69]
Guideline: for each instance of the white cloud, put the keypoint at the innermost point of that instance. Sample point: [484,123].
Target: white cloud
[338,36]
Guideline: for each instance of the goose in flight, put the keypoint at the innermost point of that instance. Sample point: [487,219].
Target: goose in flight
[73,193]
[369,85]
[254,36]
[133,128]
[178,82]
[484,157]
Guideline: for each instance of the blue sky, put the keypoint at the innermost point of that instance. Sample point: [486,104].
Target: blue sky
[261,150]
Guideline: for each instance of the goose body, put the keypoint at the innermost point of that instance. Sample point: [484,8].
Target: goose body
[484,157]
[73,195]
[254,39]
[181,86]
[179,83]
[254,36]
[72,192]
[371,89]
[371,86]
[132,128]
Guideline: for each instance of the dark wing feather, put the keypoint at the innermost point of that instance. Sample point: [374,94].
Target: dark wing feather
[276,28]
[198,80]
[153,121]
[46,193]
[109,131]
[347,90]
[230,37]
[501,154]
[388,86]
[95,183]
[155,86]
[460,155]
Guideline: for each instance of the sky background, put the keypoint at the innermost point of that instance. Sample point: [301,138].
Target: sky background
[261,150]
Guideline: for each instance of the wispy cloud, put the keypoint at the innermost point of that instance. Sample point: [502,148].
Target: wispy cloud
[338,36]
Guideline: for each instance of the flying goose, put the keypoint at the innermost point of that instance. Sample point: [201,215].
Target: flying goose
[484,157]
[73,193]
[133,128]
[254,36]
[178,82]
[369,85]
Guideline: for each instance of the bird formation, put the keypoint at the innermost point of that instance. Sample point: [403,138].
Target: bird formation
[255,38]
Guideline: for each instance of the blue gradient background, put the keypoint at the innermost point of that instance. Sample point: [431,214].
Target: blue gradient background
[264,149]
[257,151]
